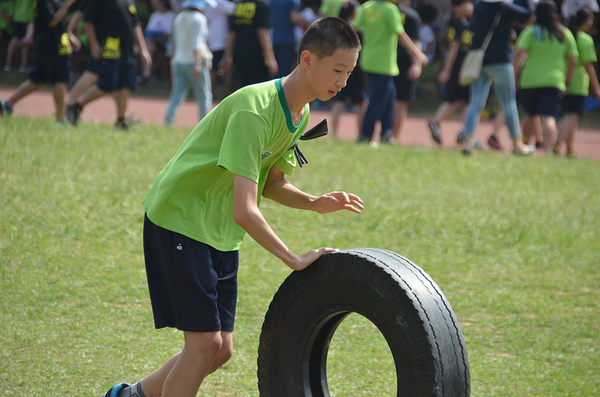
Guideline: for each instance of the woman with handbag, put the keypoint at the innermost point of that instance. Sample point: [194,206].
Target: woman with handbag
[492,21]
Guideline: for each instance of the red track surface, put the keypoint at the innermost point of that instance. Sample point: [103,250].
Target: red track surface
[151,110]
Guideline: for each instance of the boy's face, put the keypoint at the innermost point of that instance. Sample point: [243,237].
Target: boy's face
[464,10]
[328,75]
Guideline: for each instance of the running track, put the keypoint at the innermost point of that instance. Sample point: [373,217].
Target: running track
[152,110]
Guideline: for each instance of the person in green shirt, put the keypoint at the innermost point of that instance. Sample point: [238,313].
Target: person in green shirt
[382,27]
[206,200]
[22,18]
[583,76]
[545,60]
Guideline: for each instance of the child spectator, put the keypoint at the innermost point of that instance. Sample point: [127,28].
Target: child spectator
[583,76]
[549,54]
[409,69]
[458,42]
[157,32]
[190,67]
[23,15]
[383,28]
[52,49]
[207,198]
[249,47]
[112,27]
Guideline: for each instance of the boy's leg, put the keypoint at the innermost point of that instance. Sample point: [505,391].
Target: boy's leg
[10,52]
[24,89]
[122,98]
[86,80]
[60,93]
[183,374]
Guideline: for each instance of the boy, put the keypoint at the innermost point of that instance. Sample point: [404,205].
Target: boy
[458,42]
[383,28]
[112,27]
[206,199]
[52,49]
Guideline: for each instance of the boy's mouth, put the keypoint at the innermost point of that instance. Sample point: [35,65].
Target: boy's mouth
[333,93]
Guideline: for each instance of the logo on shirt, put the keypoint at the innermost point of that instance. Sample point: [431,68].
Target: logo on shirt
[265,154]
[112,48]
[132,9]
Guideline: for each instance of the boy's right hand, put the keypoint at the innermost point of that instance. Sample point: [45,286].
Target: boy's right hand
[306,259]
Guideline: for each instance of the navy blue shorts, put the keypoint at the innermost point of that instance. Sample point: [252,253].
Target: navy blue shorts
[545,101]
[113,74]
[51,71]
[454,91]
[193,287]
[574,104]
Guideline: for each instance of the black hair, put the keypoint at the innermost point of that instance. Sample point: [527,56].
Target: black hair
[427,14]
[325,35]
[547,17]
[457,3]
[576,20]
[347,10]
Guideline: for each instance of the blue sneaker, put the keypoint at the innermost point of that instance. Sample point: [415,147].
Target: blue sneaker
[5,108]
[114,391]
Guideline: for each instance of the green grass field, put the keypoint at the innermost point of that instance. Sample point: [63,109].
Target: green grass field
[514,243]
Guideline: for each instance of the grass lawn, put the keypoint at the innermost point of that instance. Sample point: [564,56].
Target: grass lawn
[513,243]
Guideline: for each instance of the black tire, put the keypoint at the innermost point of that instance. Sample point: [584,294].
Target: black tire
[396,295]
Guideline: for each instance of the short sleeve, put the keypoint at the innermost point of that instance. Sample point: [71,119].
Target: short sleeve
[396,21]
[287,163]
[571,44]
[525,38]
[587,52]
[243,140]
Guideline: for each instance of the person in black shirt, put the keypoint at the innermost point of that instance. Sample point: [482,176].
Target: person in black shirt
[410,69]
[458,42]
[249,47]
[52,49]
[112,27]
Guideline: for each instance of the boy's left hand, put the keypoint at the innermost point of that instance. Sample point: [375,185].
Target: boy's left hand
[336,201]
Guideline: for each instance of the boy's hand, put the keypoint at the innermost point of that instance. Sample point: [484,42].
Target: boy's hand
[309,257]
[336,201]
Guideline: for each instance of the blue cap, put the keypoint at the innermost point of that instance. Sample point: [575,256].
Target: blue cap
[199,4]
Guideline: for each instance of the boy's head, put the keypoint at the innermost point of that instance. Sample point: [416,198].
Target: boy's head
[463,8]
[326,35]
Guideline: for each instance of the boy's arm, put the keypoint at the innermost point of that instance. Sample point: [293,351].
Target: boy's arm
[227,60]
[264,38]
[71,27]
[58,16]
[139,39]
[518,63]
[278,189]
[247,215]
[444,75]
[95,46]
[589,67]
[407,42]
[571,64]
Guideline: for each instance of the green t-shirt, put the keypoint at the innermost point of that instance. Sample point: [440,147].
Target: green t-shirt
[331,8]
[24,11]
[546,65]
[580,82]
[9,8]
[382,24]
[246,134]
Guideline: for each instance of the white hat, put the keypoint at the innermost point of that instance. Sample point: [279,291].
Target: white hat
[199,4]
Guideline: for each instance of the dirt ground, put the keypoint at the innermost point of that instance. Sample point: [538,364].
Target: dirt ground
[152,110]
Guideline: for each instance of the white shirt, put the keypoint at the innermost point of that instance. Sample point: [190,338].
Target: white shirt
[218,24]
[159,22]
[190,33]
[570,7]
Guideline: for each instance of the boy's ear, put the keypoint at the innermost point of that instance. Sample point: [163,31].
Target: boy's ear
[306,57]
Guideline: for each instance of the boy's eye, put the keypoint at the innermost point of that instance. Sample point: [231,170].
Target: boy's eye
[337,71]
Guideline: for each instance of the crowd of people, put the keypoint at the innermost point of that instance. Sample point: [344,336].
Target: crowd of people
[249,41]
